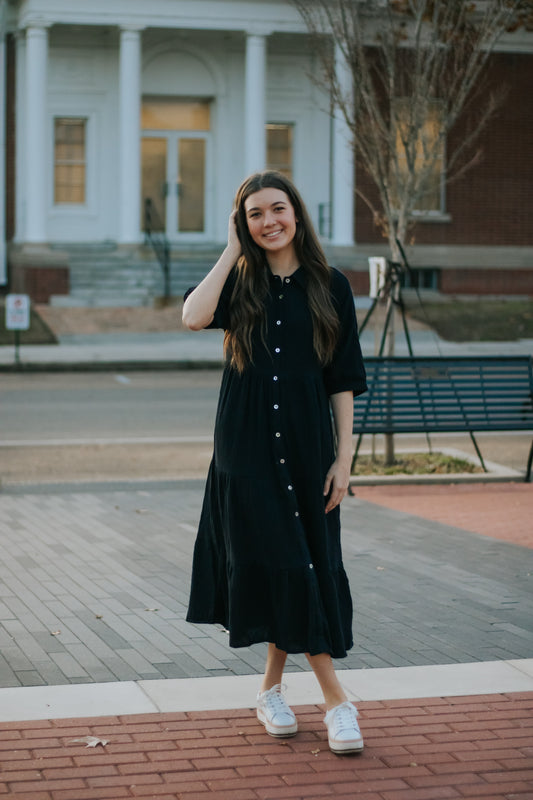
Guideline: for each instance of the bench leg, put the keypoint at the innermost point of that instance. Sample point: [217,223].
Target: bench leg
[529,463]
[478,451]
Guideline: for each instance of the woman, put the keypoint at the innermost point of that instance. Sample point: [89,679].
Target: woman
[267,562]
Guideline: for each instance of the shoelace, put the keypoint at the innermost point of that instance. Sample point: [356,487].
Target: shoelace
[345,718]
[275,701]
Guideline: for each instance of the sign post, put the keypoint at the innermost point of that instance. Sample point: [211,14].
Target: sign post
[17,317]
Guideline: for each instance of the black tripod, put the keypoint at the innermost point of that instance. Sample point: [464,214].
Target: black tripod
[391,291]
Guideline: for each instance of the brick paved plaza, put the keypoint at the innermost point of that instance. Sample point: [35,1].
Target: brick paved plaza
[95,585]
[94,582]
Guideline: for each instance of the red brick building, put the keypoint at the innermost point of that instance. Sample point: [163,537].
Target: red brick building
[482,241]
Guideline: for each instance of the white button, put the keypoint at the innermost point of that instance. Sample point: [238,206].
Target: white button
[278,322]
[275,378]
[296,514]
[282,461]
[278,434]
[287,280]
[281,297]
[311,566]
[277,350]
[289,487]
[276,406]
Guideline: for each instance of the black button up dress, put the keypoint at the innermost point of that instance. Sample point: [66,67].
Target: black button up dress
[267,561]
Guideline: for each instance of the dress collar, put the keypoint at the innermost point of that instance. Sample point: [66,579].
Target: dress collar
[299,275]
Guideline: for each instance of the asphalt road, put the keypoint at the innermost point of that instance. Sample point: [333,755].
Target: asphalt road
[66,407]
[139,425]
[62,427]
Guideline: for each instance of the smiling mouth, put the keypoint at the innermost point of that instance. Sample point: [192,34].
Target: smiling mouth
[272,234]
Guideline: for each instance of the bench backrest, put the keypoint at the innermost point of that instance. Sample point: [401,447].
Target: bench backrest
[463,393]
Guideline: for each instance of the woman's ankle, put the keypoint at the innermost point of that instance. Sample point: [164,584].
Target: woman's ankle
[334,700]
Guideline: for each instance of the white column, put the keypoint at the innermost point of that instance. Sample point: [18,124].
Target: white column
[129,198]
[3,271]
[36,140]
[342,201]
[255,104]
[20,136]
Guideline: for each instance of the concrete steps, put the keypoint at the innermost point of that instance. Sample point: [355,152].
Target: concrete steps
[110,276]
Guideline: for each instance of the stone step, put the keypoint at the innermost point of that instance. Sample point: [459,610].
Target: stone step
[98,298]
[109,276]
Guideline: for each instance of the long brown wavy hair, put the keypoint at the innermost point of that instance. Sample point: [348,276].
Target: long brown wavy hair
[251,287]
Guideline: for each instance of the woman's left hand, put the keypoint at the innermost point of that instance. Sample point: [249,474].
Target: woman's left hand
[336,484]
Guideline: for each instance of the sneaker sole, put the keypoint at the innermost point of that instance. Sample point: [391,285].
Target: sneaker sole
[345,748]
[279,732]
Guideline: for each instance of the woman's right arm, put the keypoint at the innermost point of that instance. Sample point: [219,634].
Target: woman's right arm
[200,306]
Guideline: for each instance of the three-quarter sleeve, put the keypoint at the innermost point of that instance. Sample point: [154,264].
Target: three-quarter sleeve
[346,371]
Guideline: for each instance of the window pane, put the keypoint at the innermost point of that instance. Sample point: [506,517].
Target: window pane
[424,154]
[191,183]
[69,160]
[160,114]
[279,148]
[154,177]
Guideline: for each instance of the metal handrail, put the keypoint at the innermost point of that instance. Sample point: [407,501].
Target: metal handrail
[157,240]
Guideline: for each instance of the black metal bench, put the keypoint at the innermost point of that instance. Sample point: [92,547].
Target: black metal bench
[446,395]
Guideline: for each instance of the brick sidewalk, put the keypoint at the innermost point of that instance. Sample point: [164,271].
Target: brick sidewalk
[501,510]
[477,747]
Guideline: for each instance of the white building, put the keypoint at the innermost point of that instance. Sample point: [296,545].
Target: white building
[117,101]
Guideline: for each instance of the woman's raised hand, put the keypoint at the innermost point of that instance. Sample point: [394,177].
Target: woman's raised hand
[234,243]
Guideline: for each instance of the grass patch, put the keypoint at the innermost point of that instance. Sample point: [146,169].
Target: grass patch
[478,320]
[415,464]
[37,333]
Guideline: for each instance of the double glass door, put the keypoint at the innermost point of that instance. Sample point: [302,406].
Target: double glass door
[174,180]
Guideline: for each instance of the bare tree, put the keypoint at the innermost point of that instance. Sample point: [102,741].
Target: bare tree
[416,67]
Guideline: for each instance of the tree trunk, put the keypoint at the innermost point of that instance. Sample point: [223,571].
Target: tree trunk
[390,340]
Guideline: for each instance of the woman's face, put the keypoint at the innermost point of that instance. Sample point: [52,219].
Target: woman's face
[271,219]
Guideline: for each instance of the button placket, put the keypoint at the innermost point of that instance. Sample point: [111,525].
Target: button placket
[279,445]
[277,355]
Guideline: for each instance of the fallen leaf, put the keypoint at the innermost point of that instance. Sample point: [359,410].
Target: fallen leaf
[55,633]
[99,616]
[380,569]
[151,609]
[141,511]
[91,741]
[315,752]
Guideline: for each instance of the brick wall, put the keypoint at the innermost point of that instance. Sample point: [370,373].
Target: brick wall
[491,204]
[487,281]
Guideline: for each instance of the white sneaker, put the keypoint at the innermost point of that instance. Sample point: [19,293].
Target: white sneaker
[277,717]
[344,735]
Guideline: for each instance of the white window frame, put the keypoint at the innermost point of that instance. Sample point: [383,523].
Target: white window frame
[89,207]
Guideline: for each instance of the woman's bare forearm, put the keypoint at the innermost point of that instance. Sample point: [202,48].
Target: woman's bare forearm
[200,306]
[342,407]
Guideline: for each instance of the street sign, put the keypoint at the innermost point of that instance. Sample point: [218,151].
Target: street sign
[17,312]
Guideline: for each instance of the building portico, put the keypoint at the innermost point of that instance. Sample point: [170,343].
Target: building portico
[87,80]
